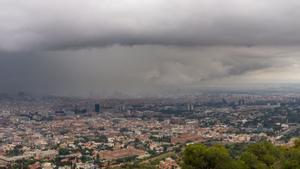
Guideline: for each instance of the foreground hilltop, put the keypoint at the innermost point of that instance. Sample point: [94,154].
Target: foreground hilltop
[261,155]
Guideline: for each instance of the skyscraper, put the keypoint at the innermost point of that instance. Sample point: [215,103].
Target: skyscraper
[97,108]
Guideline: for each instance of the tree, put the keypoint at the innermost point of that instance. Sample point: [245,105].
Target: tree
[291,162]
[194,156]
[198,156]
[251,161]
[16,151]
[291,158]
[63,151]
[297,143]
[265,153]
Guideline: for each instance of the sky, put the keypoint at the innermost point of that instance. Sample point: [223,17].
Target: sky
[139,47]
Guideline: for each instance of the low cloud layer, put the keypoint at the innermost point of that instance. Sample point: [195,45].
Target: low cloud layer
[53,24]
[75,46]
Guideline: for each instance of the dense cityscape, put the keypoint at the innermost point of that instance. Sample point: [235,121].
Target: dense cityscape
[61,132]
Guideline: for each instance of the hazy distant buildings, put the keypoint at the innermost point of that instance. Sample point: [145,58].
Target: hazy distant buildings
[190,107]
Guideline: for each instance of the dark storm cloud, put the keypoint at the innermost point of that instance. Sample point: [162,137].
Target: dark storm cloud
[75,46]
[40,25]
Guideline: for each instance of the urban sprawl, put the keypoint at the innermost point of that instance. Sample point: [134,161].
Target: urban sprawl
[62,132]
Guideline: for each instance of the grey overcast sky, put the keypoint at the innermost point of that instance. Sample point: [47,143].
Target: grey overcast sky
[73,47]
